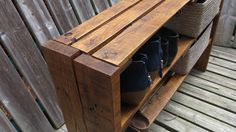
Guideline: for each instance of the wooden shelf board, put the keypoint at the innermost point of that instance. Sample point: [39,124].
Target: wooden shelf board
[162,97]
[128,113]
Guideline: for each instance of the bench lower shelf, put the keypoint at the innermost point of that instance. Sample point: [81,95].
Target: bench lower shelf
[129,112]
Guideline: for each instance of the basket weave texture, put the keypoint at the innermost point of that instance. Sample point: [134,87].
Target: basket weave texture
[185,64]
[194,18]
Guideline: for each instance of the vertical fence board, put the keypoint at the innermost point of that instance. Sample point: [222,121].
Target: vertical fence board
[38,19]
[62,14]
[20,46]
[18,100]
[113,1]
[100,5]
[83,9]
[5,125]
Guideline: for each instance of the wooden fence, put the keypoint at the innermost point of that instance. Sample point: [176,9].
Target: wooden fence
[27,95]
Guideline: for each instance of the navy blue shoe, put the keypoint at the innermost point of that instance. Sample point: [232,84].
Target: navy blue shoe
[154,52]
[165,49]
[173,38]
[136,77]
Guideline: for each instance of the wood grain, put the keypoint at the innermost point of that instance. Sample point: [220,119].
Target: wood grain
[63,14]
[198,118]
[21,47]
[18,101]
[158,102]
[96,22]
[59,58]
[122,48]
[204,107]
[38,19]
[100,92]
[83,9]
[5,124]
[100,5]
[100,37]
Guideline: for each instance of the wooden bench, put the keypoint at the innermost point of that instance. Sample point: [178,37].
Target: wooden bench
[87,61]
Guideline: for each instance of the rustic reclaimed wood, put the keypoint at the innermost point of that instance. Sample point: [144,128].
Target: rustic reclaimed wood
[203,61]
[100,92]
[128,113]
[59,58]
[38,19]
[177,124]
[103,35]
[161,98]
[100,5]
[5,124]
[83,9]
[96,22]
[62,14]
[204,107]
[100,37]
[22,49]
[18,101]
[122,48]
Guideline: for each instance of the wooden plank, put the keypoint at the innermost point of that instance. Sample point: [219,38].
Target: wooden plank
[128,112]
[28,59]
[159,101]
[122,48]
[198,118]
[38,19]
[59,58]
[177,123]
[99,86]
[157,128]
[96,22]
[223,63]
[98,38]
[83,9]
[222,71]
[208,109]
[225,49]
[63,14]
[211,87]
[209,97]
[223,55]
[18,101]
[5,124]
[100,5]
[215,78]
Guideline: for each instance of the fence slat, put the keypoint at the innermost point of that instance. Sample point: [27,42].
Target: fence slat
[62,14]
[83,9]
[100,5]
[18,101]
[5,125]
[20,46]
[38,19]
[113,1]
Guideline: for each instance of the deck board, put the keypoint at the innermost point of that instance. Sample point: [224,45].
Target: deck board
[206,100]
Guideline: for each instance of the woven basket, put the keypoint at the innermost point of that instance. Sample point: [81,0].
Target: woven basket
[194,18]
[185,64]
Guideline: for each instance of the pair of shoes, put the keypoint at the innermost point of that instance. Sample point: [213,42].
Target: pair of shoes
[156,54]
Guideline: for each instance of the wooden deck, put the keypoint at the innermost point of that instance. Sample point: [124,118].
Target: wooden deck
[205,101]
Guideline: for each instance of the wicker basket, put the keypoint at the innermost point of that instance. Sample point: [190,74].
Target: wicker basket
[185,64]
[194,18]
